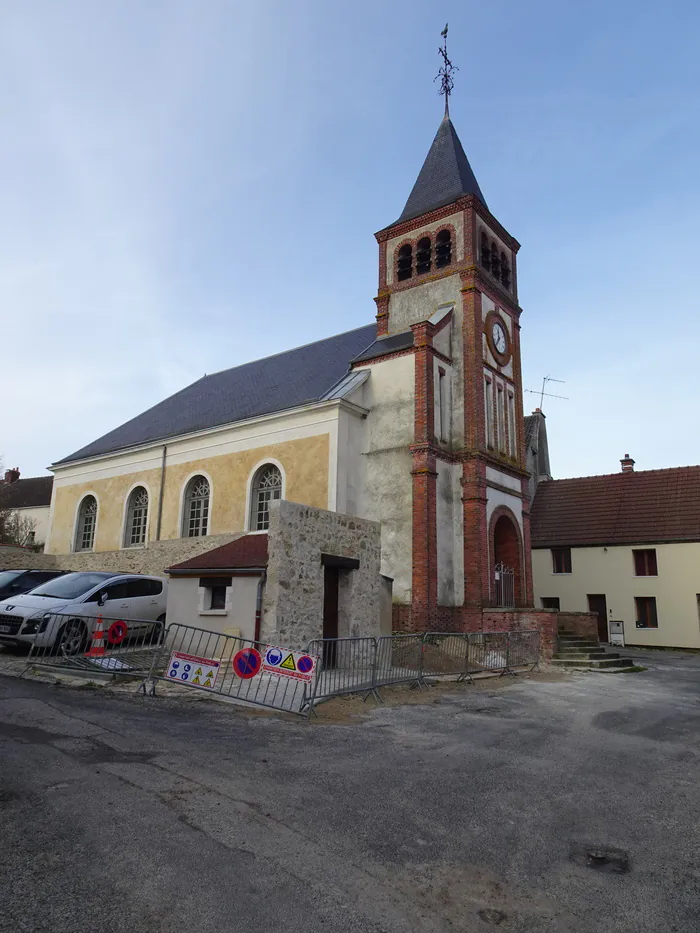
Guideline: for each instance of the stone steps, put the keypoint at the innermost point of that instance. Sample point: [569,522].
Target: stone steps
[584,653]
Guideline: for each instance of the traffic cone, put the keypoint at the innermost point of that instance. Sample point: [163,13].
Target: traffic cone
[97,648]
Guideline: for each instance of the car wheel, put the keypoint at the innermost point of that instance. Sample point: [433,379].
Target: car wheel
[72,639]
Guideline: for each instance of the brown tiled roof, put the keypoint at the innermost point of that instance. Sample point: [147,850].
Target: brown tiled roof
[30,493]
[645,507]
[246,551]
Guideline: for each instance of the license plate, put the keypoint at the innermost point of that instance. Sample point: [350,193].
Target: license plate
[5,628]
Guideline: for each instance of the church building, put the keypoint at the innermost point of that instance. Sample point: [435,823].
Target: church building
[414,421]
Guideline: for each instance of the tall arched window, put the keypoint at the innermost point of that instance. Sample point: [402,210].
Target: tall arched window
[136,518]
[505,271]
[485,250]
[195,516]
[423,255]
[85,527]
[443,249]
[267,486]
[404,265]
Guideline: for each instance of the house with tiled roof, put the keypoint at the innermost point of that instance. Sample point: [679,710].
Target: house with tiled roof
[626,546]
[30,499]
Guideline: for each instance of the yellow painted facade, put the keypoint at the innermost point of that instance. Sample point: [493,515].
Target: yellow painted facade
[305,466]
[610,571]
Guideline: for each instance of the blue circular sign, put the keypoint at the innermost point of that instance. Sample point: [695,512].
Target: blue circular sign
[273,656]
[305,664]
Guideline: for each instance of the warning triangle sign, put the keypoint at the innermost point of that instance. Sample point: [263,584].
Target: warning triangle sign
[196,680]
[198,671]
[207,683]
[210,675]
[288,663]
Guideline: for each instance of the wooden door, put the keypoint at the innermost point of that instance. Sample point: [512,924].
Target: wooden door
[597,603]
[330,614]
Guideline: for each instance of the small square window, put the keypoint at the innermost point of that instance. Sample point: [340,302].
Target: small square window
[646,612]
[550,602]
[217,597]
[645,563]
[561,560]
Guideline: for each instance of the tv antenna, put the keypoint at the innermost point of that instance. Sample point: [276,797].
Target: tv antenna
[543,393]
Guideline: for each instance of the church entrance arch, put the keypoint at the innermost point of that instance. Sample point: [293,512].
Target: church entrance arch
[506,552]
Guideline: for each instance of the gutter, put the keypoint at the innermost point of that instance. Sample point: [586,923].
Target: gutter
[258,605]
[161,491]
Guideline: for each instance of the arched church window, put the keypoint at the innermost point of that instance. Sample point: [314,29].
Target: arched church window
[195,516]
[424,249]
[505,271]
[136,518]
[495,262]
[267,486]
[85,526]
[405,262]
[485,251]
[443,249]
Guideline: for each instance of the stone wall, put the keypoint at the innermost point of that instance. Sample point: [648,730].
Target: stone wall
[152,559]
[294,591]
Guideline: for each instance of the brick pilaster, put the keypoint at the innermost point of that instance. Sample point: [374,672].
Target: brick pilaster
[476,546]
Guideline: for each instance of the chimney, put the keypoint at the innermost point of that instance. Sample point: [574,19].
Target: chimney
[627,464]
[11,476]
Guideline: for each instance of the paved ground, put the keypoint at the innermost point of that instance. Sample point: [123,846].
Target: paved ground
[477,812]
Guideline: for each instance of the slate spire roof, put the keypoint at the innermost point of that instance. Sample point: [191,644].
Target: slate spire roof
[446,175]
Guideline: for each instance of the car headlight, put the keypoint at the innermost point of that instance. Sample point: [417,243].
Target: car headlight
[37,623]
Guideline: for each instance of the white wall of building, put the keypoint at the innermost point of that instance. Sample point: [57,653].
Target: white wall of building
[610,571]
[186,606]
[39,515]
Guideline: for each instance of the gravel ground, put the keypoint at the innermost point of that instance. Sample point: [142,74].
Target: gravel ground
[544,804]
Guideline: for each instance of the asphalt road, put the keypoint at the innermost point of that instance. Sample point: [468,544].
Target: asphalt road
[478,812]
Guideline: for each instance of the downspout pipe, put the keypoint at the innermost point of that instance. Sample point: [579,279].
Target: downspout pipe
[258,605]
[161,491]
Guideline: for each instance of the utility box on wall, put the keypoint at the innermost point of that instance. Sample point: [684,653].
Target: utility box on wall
[617,633]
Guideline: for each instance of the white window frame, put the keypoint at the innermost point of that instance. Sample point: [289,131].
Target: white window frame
[76,523]
[183,505]
[268,461]
[126,530]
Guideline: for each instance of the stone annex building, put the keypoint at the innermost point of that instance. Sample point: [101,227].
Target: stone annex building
[413,421]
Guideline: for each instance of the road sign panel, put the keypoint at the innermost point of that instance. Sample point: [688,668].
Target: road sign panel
[180,670]
[284,662]
[247,663]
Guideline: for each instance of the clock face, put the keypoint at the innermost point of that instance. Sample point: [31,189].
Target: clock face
[498,335]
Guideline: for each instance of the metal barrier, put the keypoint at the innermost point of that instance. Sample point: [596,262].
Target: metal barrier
[95,644]
[234,669]
[364,665]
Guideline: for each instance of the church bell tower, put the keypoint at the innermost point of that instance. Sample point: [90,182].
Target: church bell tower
[448,277]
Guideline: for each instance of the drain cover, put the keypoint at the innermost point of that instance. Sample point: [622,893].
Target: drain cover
[602,858]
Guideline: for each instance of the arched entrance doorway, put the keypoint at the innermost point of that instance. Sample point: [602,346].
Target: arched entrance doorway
[506,562]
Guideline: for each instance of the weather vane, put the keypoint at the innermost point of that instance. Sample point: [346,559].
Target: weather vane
[445,73]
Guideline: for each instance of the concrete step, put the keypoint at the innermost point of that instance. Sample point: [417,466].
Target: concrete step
[593,664]
[565,643]
[595,653]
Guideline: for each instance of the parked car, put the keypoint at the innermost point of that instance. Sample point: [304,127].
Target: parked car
[14,582]
[61,614]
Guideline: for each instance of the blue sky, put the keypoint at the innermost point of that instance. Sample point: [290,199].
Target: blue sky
[190,185]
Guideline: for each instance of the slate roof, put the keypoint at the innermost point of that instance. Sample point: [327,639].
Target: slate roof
[276,383]
[446,175]
[246,551]
[645,507]
[382,345]
[30,493]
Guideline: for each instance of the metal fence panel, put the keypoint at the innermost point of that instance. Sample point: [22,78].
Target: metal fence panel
[399,659]
[488,651]
[445,654]
[95,644]
[523,649]
[346,665]
[236,665]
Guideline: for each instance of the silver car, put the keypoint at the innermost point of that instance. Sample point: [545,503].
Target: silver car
[61,614]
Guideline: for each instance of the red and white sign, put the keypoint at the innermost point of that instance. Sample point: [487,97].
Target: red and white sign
[192,671]
[287,663]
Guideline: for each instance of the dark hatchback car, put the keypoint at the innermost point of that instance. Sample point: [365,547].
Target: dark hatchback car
[14,582]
